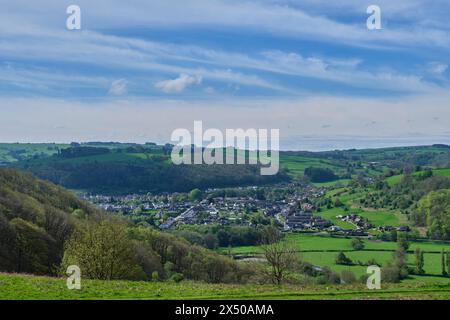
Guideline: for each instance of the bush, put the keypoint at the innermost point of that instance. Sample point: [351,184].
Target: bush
[357,244]
[347,277]
[177,277]
[390,274]
[341,258]
[373,262]
[328,277]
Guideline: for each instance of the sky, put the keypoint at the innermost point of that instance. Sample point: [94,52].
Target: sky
[139,69]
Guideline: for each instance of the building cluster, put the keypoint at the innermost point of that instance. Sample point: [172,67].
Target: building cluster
[356,220]
[294,212]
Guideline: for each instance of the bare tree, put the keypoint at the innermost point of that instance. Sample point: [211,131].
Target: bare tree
[281,256]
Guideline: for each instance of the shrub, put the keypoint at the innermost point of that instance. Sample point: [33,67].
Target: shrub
[347,277]
[177,277]
[390,274]
[357,244]
[341,258]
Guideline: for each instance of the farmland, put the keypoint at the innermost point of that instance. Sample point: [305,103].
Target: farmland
[13,152]
[437,172]
[321,250]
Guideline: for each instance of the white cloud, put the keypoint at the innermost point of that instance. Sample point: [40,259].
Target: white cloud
[179,84]
[119,87]
[437,68]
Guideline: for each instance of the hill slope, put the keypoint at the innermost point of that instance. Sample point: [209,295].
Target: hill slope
[35,220]
[139,171]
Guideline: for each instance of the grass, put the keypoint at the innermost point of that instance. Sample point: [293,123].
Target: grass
[12,152]
[376,217]
[391,181]
[322,251]
[26,287]
[340,182]
[297,164]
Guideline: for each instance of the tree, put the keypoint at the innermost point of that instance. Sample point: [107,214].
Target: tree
[281,257]
[210,241]
[400,261]
[357,244]
[448,260]
[320,174]
[341,258]
[433,210]
[8,246]
[195,195]
[419,261]
[402,240]
[390,274]
[103,251]
[444,272]
[393,235]
[36,251]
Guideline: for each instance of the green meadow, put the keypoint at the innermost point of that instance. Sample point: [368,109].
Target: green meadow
[321,250]
[26,287]
[437,172]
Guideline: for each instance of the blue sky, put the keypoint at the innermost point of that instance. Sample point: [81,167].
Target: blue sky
[139,69]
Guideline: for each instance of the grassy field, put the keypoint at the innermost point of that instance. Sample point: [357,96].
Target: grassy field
[376,217]
[322,250]
[12,152]
[437,172]
[26,287]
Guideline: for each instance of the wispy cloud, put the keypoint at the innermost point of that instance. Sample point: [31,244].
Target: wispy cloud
[179,84]
[119,87]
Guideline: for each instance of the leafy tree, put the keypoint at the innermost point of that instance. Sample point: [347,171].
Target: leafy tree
[400,261]
[103,251]
[419,261]
[402,240]
[443,262]
[390,274]
[195,195]
[35,250]
[341,258]
[8,246]
[357,244]
[434,210]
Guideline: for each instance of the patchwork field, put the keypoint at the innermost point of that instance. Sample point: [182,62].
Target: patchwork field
[322,251]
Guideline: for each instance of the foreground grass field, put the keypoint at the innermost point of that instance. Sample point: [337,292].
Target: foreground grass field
[26,287]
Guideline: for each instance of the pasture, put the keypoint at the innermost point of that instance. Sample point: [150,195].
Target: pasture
[27,287]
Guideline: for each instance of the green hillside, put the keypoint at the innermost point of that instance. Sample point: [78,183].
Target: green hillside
[445,172]
[139,169]
[36,218]
[13,152]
